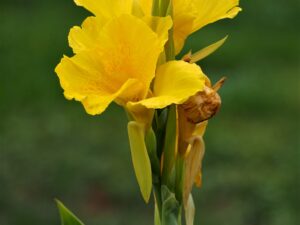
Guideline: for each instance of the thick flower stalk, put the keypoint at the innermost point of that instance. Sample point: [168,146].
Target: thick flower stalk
[126,53]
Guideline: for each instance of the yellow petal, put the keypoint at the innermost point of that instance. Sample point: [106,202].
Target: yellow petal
[137,9]
[183,27]
[174,83]
[160,25]
[85,37]
[120,67]
[191,15]
[184,16]
[81,80]
[106,9]
[146,6]
[210,11]
[76,78]
[96,104]
[129,49]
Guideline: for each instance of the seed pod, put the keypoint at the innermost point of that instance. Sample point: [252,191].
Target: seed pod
[204,105]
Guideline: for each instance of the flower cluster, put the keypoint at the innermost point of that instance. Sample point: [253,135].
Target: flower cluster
[126,53]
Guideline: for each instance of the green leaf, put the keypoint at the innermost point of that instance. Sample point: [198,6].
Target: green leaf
[179,181]
[170,208]
[160,128]
[67,217]
[207,51]
[169,145]
[140,158]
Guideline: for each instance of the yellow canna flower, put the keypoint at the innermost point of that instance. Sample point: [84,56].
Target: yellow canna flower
[117,62]
[116,59]
[120,56]
[191,15]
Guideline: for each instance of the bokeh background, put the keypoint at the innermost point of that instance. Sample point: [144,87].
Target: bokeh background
[50,148]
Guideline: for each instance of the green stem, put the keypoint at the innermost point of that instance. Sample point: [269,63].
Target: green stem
[169,148]
[169,47]
[167,202]
[158,202]
[179,180]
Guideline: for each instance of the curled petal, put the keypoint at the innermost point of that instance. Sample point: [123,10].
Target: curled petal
[85,37]
[174,83]
[96,104]
[82,82]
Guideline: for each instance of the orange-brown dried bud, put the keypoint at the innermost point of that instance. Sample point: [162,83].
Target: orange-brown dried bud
[204,105]
[187,57]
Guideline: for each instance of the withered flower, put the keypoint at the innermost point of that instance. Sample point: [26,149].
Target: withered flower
[205,104]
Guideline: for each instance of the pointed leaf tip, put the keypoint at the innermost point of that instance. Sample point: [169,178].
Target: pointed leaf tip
[203,53]
[67,217]
[190,211]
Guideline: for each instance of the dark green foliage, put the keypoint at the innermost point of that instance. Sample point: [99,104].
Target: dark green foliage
[50,147]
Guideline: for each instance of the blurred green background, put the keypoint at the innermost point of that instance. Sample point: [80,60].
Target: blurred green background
[50,148]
